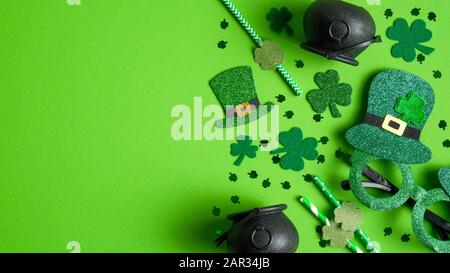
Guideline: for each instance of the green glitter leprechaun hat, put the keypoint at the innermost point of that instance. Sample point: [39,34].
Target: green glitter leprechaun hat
[235,89]
[399,105]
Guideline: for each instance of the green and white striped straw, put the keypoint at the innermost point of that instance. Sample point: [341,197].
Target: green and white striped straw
[319,215]
[259,41]
[337,204]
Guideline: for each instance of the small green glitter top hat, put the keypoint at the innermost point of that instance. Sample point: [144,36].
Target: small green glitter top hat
[236,91]
[399,105]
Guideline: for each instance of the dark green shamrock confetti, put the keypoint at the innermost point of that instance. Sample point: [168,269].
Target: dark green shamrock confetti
[233,177]
[387,231]
[388,13]
[415,11]
[319,230]
[308,177]
[266,183]
[317,117]
[330,93]
[253,174]
[442,124]
[276,159]
[243,148]
[409,39]
[406,238]
[289,114]
[264,143]
[446,143]
[296,148]
[437,74]
[421,58]
[432,16]
[320,159]
[224,24]
[235,199]
[323,243]
[280,98]
[279,20]
[342,155]
[215,211]
[324,140]
[222,44]
[412,108]
[299,64]
[286,185]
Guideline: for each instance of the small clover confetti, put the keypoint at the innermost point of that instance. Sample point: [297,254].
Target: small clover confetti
[288,114]
[442,124]
[253,174]
[308,178]
[330,93]
[235,199]
[269,55]
[406,238]
[446,143]
[295,149]
[411,108]
[264,143]
[280,98]
[224,24]
[420,58]
[349,216]
[323,243]
[432,16]
[215,211]
[243,148]
[233,177]
[437,74]
[279,20]
[317,117]
[324,140]
[286,185]
[319,230]
[321,159]
[342,155]
[276,159]
[387,231]
[388,13]
[336,235]
[299,64]
[222,44]
[415,11]
[266,183]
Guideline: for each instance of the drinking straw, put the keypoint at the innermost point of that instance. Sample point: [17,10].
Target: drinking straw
[335,202]
[319,215]
[259,42]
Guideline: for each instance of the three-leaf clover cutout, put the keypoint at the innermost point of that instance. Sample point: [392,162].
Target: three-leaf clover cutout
[349,216]
[336,235]
[243,148]
[330,94]
[411,108]
[409,39]
[296,148]
[269,55]
[279,20]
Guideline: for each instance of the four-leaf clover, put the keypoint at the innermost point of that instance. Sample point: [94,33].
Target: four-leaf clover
[409,39]
[269,55]
[349,216]
[296,148]
[330,94]
[243,148]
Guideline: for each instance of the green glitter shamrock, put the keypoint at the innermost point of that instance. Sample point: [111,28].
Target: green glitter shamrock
[409,39]
[235,199]
[415,11]
[317,117]
[411,108]
[336,235]
[224,24]
[330,94]
[421,58]
[446,143]
[288,114]
[321,159]
[222,44]
[324,140]
[279,20]
[280,98]
[243,148]
[432,16]
[442,125]
[266,183]
[286,185]
[387,231]
[406,238]
[388,13]
[299,64]
[269,55]
[253,174]
[308,177]
[296,148]
[349,216]
[437,74]
[215,211]
[232,177]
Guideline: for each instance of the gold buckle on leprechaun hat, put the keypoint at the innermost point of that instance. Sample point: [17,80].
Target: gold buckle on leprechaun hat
[243,109]
[394,125]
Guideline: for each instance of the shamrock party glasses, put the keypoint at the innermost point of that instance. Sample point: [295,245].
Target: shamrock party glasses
[407,190]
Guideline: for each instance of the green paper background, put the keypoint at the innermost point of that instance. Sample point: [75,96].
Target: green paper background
[86,152]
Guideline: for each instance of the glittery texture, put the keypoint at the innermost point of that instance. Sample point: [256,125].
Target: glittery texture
[233,87]
[385,90]
[269,55]
[444,177]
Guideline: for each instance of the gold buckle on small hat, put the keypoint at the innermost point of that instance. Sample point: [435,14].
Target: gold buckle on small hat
[388,125]
[243,109]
